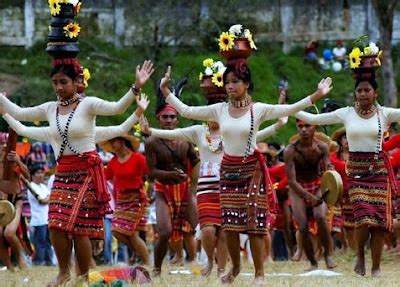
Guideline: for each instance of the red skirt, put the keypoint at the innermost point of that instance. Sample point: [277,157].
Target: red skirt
[129,210]
[74,200]
[208,203]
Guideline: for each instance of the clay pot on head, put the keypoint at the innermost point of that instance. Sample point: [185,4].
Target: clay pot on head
[241,50]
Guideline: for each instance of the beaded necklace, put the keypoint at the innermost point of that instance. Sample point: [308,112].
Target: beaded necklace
[242,103]
[64,134]
[211,147]
[367,111]
[68,102]
[378,143]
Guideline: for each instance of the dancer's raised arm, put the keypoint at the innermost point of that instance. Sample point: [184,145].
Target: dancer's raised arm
[36,133]
[272,129]
[203,113]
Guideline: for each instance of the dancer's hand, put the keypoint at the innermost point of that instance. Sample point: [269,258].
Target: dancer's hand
[2,110]
[324,87]
[165,81]
[143,73]
[142,102]
[144,125]
[282,96]
[13,157]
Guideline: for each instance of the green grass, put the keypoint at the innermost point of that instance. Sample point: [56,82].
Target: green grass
[113,73]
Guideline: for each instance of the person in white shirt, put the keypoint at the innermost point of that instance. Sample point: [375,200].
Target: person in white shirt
[38,196]
[247,201]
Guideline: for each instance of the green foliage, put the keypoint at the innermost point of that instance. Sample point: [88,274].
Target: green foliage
[113,73]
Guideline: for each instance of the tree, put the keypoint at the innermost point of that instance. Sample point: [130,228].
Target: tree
[385,11]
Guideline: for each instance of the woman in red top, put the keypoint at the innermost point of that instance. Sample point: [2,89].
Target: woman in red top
[339,159]
[127,169]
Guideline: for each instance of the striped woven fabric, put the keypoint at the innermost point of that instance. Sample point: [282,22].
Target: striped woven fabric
[176,197]
[129,209]
[73,205]
[244,206]
[370,192]
[208,203]
[347,211]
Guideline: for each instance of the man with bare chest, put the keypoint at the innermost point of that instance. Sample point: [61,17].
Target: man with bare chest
[305,159]
[168,163]
[10,189]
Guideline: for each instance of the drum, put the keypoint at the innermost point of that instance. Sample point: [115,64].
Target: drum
[331,187]
[7,212]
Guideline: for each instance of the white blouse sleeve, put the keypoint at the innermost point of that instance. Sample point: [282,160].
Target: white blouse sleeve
[393,115]
[331,118]
[107,133]
[202,113]
[106,108]
[36,133]
[266,133]
[269,112]
[185,134]
[29,114]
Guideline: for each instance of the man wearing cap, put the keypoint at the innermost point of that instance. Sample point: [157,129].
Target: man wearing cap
[305,158]
[10,189]
[168,162]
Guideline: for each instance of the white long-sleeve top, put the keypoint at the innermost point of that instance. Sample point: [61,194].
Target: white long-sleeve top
[236,130]
[361,133]
[81,132]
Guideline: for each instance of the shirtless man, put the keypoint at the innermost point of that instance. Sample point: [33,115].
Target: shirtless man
[11,189]
[304,160]
[167,162]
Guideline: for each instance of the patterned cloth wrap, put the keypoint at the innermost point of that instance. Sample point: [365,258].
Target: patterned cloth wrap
[248,202]
[371,192]
[79,198]
[176,197]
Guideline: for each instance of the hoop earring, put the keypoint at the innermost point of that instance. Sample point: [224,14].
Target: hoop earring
[357,104]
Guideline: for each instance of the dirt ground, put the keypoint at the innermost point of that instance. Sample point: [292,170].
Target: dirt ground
[277,274]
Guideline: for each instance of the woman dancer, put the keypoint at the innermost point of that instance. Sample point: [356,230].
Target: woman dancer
[369,178]
[79,198]
[243,187]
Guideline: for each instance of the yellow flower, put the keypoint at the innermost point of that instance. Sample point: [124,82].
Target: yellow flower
[217,79]
[355,59]
[225,41]
[72,30]
[86,74]
[251,42]
[208,62]
[378,57]
[367,51]
[200,76]
[55,7]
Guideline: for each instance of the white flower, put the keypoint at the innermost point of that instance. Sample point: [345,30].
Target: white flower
[374,48]
[222,70]
[235,29]
[246,33]
[73,2]
[217,66]
[208,71]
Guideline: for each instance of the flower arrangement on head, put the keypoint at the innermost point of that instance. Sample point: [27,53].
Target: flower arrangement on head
[236,43]
[63,34]
[212,82]
[364,57]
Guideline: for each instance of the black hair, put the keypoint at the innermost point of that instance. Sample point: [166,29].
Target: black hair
[241,70]
[68,70]
[128,144]
[371,81]
[35,168]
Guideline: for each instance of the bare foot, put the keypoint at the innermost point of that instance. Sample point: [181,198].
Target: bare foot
[59,280]
[268,259]
[156,272]
[230,277]
[206,271]
[259,281]
[312,267]
[330,264]
[297,256]
[376,273]
[359,268]
[177,260]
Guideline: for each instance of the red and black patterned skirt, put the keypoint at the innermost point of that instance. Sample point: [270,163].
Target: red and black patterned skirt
[208,202]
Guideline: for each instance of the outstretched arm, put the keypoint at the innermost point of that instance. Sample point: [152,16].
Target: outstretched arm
[331,118]
[36,133]
[271,130]
[30,114]
[106,108]
[203,113]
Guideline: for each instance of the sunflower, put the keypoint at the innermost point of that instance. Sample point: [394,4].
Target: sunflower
[225,41]
[355,59]
[208,62]
[55,7]
[378,58]
[86,74]
[72,30]
[217,80]
[200,76]
[251,42]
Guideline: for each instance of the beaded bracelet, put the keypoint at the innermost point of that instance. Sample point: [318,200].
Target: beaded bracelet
[135,90]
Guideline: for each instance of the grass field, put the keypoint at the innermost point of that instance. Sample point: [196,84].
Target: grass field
[39,276]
